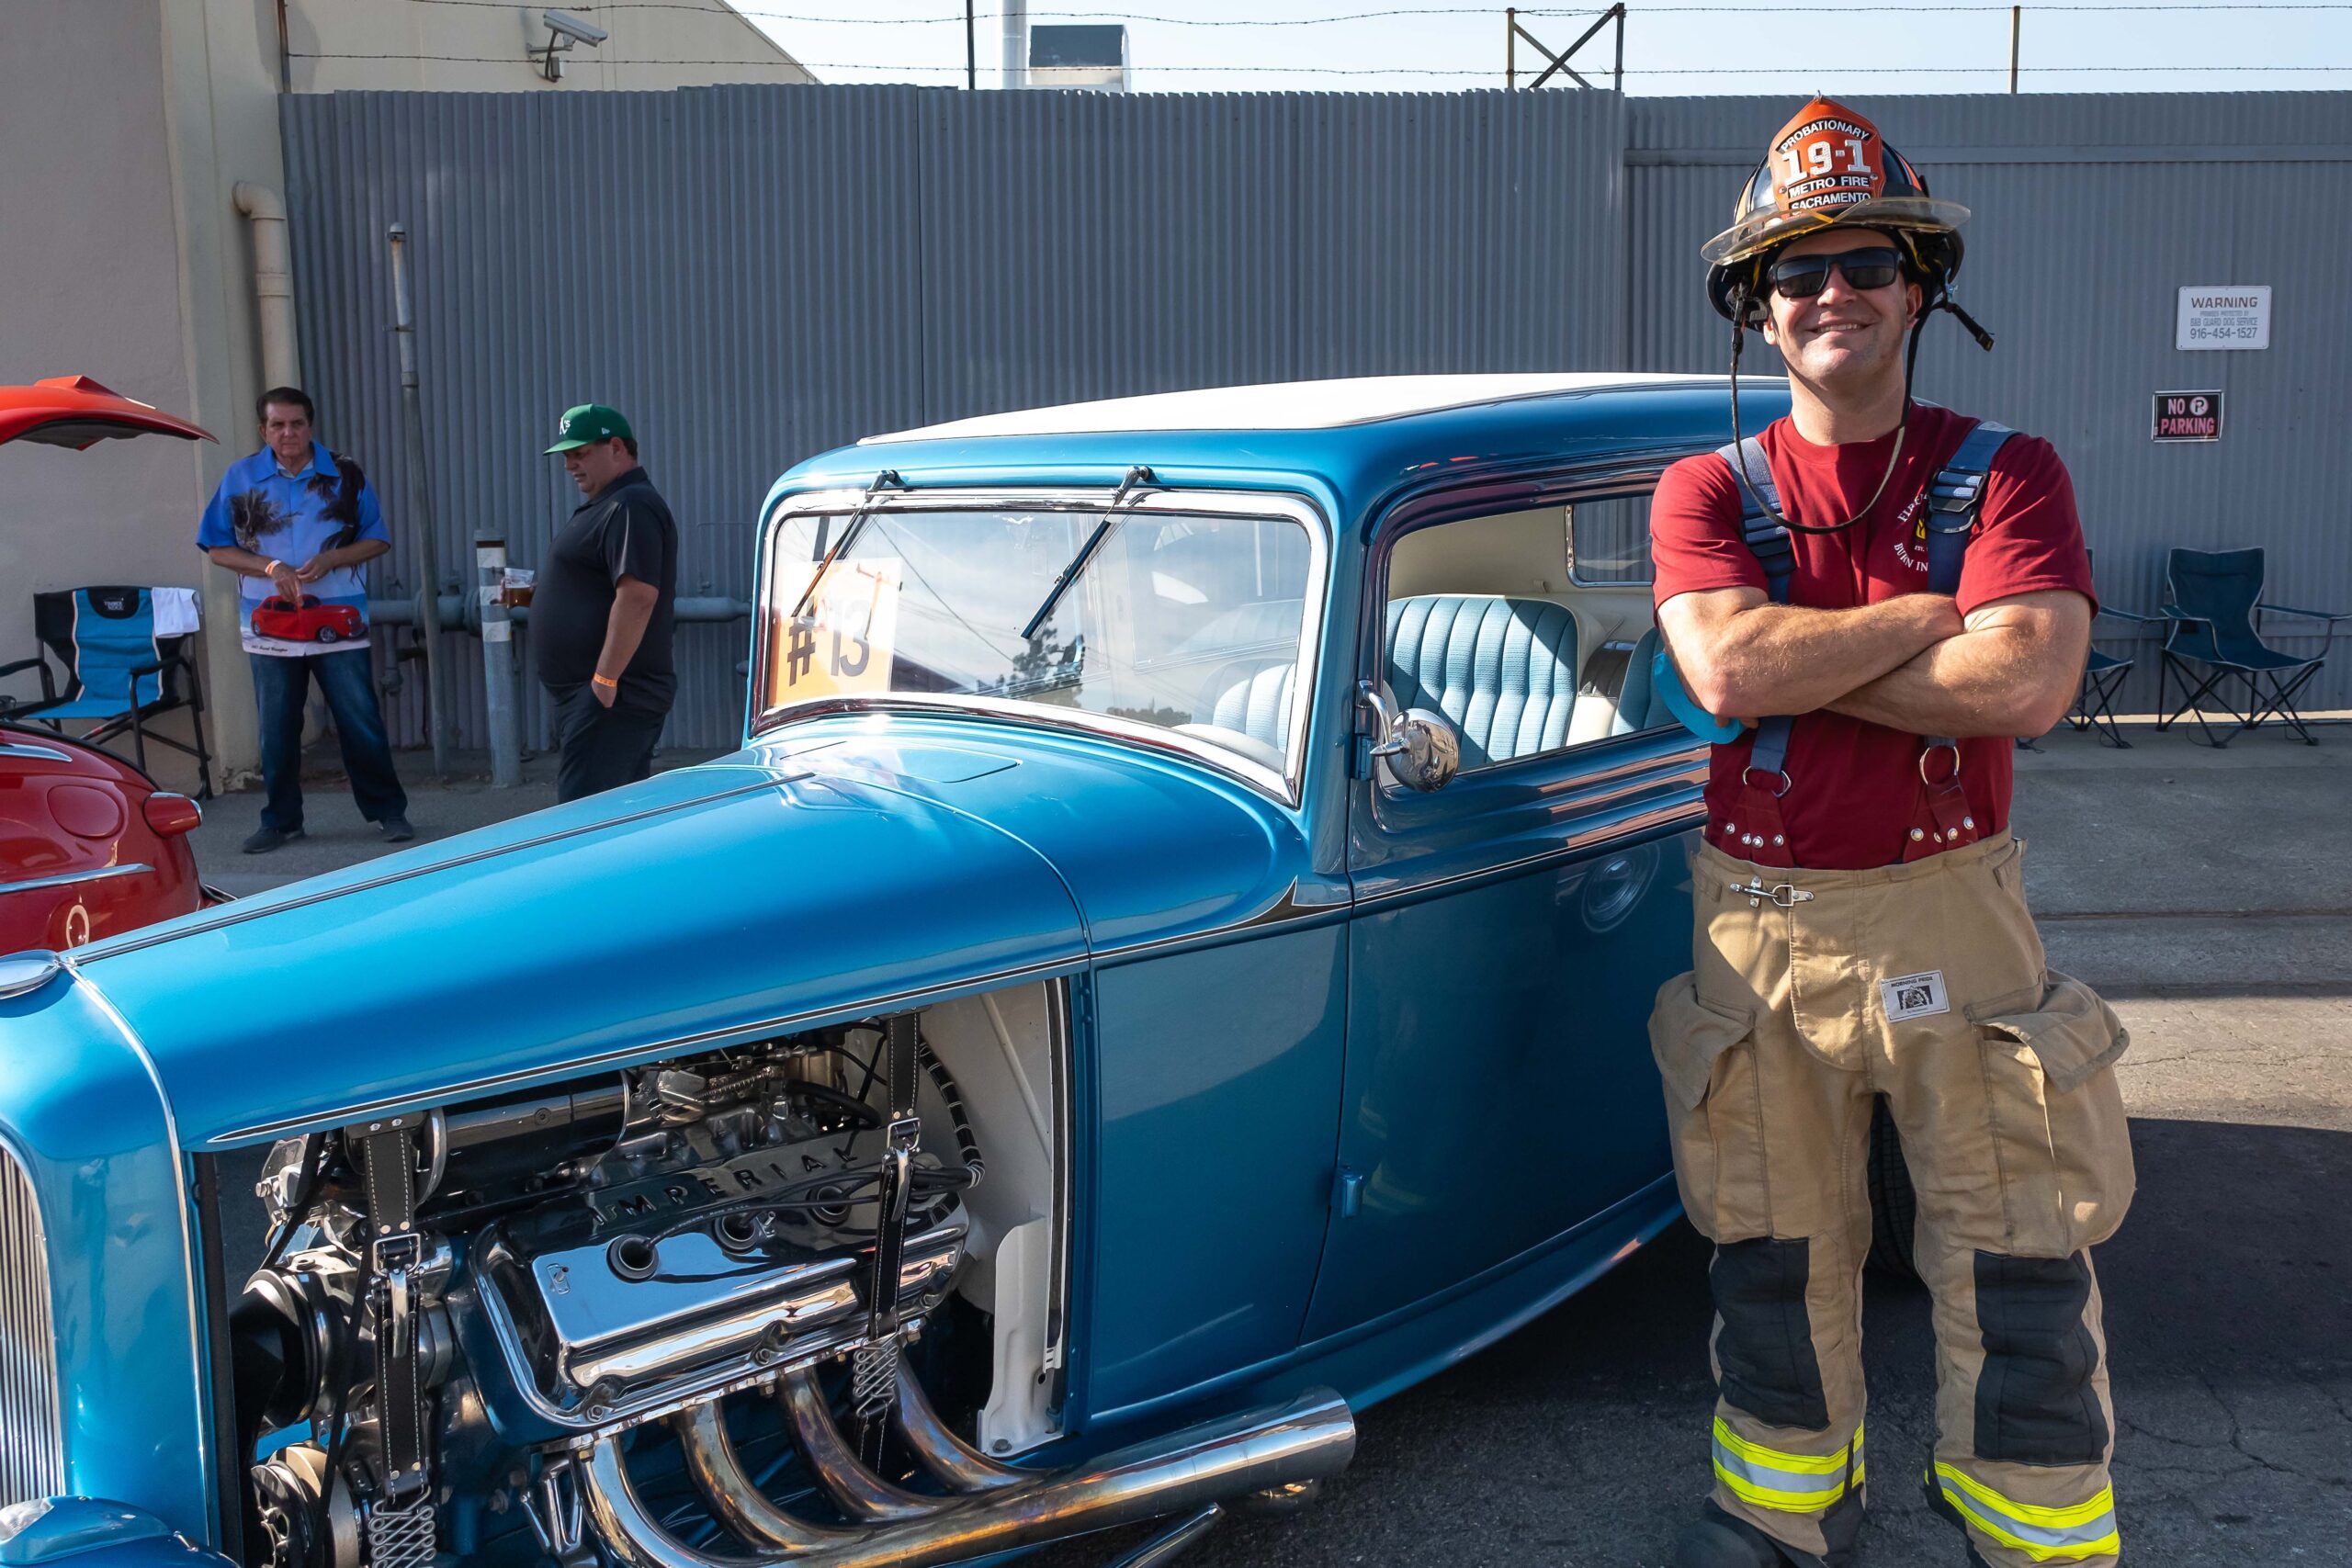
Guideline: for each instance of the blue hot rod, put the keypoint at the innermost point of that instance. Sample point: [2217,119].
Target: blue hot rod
[1166,968]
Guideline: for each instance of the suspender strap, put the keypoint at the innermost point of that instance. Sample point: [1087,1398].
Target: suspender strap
[388,1163]
[1776,552]
[1955,496]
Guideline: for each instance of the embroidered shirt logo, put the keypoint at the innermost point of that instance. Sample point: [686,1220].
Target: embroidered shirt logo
[1914,995]
[1911,544]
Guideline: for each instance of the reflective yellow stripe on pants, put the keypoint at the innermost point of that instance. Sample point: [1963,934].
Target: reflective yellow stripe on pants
[1790,1483]
[2046,1535]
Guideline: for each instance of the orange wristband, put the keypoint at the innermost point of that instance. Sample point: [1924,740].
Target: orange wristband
[607,682]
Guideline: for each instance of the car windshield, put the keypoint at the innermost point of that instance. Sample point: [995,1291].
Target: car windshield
[1190,621]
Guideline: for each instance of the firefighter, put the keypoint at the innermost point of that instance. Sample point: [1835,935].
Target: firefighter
[1884,591]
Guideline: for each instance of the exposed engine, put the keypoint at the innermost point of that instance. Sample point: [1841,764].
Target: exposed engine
[618,1320]
[578,1262]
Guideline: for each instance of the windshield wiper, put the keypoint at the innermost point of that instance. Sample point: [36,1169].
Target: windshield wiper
[1137,478]
[849,536]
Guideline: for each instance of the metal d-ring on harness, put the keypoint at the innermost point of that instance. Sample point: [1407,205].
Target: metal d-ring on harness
[1955,497]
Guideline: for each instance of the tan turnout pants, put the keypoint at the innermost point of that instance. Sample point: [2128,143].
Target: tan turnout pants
[1924,983]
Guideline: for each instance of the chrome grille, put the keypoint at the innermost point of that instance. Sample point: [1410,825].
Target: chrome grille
[32,1458]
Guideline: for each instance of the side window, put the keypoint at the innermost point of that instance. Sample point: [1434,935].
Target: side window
[1530,631]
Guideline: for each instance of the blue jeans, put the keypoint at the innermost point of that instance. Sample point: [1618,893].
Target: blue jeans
[348,684]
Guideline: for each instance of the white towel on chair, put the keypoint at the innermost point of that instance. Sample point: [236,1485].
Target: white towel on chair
[174,610]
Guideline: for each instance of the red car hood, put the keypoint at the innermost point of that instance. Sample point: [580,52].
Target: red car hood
[74,410]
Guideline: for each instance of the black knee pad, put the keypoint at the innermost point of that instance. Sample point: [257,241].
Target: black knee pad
[1766,1344]
[2035,1404]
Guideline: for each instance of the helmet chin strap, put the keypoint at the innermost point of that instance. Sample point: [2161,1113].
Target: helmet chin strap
[1740,300]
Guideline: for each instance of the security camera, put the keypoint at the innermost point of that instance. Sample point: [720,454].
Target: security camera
[565,32]
[564,24]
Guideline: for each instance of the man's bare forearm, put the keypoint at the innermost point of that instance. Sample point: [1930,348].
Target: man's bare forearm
[2011,672]
[1780,659]
[624,629]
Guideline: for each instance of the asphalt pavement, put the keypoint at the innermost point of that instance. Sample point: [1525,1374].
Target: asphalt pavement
[2209,896]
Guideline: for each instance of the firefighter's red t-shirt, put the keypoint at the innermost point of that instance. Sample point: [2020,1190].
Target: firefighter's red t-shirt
[1854,790]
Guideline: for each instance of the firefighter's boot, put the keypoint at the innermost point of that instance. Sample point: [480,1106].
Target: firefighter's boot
[1715,1540]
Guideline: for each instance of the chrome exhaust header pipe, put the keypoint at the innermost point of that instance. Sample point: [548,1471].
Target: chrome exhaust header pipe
[719,1475]
[1310,1436]
[855,1490]
[954,1462]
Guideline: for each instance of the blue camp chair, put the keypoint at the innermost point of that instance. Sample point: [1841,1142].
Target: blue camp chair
[2103,676]
[112,672]
[2213,596]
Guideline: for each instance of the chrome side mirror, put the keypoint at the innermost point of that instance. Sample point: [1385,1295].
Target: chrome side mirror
[1416,749]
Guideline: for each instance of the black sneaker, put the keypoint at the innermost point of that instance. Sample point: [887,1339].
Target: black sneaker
[1715,1540]
[264,839]
[396,830]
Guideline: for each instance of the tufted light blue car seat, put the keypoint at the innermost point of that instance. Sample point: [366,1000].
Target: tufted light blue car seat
[1253,697]
[1503,669]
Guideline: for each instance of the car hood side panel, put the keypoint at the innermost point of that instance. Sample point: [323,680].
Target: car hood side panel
[712,902]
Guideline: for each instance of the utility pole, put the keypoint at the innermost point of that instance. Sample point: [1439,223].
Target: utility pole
[2017,25]
[1016,43]
[971,51]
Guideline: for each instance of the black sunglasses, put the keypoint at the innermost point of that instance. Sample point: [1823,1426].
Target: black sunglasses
[1802,277]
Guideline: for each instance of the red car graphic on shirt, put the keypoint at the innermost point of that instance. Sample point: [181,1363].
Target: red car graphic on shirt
[310,621]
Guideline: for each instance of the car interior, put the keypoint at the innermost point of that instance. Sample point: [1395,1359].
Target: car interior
[1530,631]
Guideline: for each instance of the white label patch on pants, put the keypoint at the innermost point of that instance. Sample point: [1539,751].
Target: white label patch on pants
[1914,995]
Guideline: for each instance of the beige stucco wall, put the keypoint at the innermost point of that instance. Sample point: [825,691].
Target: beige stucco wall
[128,126]
[126,123]
[480,49]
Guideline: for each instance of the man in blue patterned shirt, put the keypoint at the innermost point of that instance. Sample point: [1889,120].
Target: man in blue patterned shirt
[298,524]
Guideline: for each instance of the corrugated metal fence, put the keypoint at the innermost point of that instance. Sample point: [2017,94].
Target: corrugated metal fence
[755,274]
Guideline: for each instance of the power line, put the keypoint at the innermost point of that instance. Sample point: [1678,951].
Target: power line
[1484,12]
[1409,70]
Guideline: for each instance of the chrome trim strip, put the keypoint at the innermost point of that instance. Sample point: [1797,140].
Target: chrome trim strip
[1665,820]
[996,710]
[195,1314]
[25,748]
[118,948]
[649,1049]
[1274,505]
[33,1430]
[69,878]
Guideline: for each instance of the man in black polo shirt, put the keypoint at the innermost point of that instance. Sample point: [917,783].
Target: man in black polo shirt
[601,609]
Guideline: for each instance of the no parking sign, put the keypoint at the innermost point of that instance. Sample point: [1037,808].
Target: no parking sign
[2186,416]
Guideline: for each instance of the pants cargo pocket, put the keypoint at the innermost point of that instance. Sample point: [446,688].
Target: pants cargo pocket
[1715,1111]
[2059,1135]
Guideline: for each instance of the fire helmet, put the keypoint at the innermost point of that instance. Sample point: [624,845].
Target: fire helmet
[1829,165]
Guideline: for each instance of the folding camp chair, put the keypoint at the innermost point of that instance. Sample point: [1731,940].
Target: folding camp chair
[112,670]
[2213,596]
[2103,676]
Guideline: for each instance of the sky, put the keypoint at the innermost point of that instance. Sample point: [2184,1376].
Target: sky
[1686,48]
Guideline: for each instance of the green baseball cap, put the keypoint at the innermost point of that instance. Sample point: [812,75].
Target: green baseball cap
[590,422]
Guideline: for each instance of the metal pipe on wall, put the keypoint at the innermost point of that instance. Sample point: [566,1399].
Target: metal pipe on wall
[420,509]
[498,662]
[265,211]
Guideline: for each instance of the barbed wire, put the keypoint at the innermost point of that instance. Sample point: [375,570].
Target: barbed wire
[1487,12]
[1401,69]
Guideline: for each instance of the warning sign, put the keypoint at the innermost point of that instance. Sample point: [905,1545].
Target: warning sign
[843,641]
[2188,416]
[2237,316]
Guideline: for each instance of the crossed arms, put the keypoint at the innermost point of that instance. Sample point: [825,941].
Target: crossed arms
[1912,663]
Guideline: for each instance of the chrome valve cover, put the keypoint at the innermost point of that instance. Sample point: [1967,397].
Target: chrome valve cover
[620,1301]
